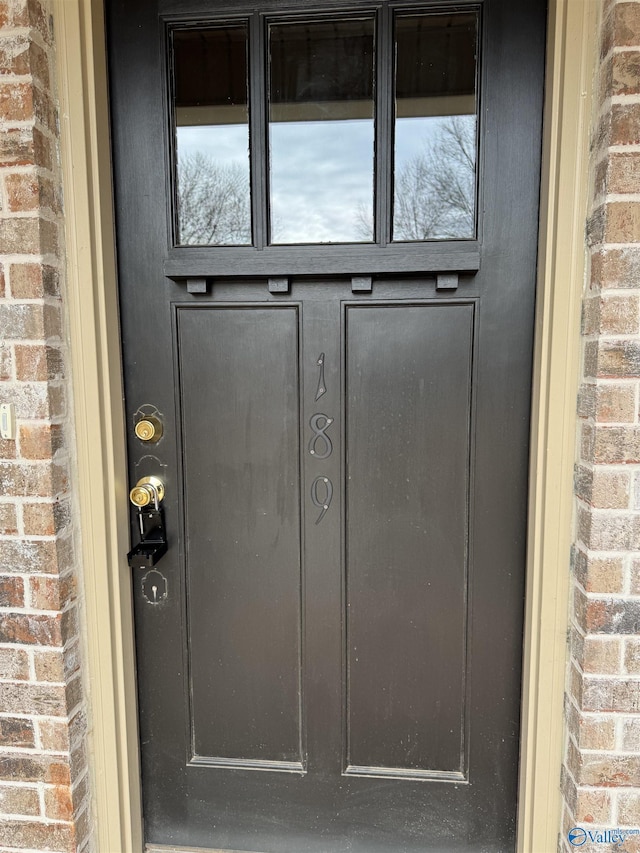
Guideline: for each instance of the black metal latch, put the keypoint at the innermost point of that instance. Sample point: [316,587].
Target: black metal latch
[147,497]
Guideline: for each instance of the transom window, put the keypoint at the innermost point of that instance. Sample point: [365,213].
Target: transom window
[352,129]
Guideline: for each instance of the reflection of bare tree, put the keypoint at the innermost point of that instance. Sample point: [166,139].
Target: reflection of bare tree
[213,202]
[435,190]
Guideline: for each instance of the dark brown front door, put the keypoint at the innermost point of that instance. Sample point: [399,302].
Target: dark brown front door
[326,223]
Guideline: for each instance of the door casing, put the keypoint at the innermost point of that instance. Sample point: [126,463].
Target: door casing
[100,455]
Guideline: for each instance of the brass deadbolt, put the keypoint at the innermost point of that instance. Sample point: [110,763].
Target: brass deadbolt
[148,490]
[149,429]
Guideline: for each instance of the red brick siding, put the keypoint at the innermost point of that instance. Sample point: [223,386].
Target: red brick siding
[601,773]
[44,791]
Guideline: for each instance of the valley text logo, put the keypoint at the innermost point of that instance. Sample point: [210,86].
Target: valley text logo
[578,836]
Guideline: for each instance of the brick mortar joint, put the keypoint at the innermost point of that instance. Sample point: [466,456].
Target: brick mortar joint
[597,337]
[58,536]
[42,819]
[583,635]
[607,198]
[622,99]
[595,468]
[43,258]
[35,214]
[35,463]
[600,246]
[602,427]
[60,719]
[34,611]
[609,512]
[607,596]
[607,753]
[597,293]
[40,214]
[47,300]
[607,466]
[47,786]
[613,791]
[71,645]
[630,197]
[617,677]
[46,259]
[34,751]
[623,148]
[28,169]
[606,381]
[614,338]
[61,535]
[603,716]
[605,426]
[32,33]
[28,78]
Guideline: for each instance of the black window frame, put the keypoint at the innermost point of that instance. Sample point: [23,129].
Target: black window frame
[383,255]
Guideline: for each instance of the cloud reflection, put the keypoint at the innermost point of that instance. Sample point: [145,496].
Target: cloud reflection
[321,176]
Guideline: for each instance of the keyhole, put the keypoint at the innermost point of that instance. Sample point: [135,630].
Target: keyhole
[154,587]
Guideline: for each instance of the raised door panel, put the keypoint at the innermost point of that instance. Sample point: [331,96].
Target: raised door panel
[238,384]
[408,380]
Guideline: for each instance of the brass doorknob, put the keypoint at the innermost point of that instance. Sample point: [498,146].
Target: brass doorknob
[149,429]
[146,491]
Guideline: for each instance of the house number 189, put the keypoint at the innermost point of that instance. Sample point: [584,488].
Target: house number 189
[321,447]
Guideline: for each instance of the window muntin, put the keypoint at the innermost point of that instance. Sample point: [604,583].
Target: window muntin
[365,129]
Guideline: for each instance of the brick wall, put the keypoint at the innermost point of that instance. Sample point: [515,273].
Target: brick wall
[601,774]
[43,762]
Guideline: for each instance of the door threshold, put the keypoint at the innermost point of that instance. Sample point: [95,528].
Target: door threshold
[161,848]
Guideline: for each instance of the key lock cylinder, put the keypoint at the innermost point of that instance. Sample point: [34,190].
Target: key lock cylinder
[147,496]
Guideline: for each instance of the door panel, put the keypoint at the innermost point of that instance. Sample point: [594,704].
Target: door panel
[408,403]
[238,370]
[334,665]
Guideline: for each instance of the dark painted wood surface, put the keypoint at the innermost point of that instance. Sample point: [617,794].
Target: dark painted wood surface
[271,687]
[408,415]
[238,382]
[193,262]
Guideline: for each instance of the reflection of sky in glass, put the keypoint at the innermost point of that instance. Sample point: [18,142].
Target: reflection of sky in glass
[224,143]
[214,205]
[434,168]
[322,171]
[413,135]
[321,181]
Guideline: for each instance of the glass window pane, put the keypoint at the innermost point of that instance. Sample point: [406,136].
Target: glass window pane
[435,127]
[212,137]
[321,132]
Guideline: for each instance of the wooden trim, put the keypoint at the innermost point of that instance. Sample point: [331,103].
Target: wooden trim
[97,389]
[92,301]
[571,61]
[335,259]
